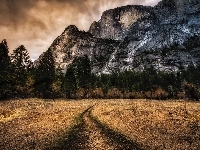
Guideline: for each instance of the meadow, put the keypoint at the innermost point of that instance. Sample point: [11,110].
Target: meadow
[152,124]
[35,123]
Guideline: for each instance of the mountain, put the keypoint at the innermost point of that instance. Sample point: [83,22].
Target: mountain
[166,37]
[73,43]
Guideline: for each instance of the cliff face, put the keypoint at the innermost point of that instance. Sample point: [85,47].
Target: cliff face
[115,23]
[166,37]
[159,39]
[73,43]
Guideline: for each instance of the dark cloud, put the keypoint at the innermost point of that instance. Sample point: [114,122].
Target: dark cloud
[36,23]
[13,13]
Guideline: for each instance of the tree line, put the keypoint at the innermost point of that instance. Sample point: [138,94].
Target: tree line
[21,78]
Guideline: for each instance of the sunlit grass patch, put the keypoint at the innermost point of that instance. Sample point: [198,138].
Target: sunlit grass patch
[35,123]
[40,124]
[6,115]
[155,124]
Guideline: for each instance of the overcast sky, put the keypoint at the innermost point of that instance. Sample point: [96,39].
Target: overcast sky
[36,23]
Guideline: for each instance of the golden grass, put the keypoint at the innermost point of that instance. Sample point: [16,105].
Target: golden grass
[154,124]
[36,124]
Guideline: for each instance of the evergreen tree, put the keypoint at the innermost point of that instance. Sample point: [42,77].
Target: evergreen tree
[59,82]
[84,73]
[22,66]
[45,75]
[71,82]
[21,59]
[5,78]
[78,75]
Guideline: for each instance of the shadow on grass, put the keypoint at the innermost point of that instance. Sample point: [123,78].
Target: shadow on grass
[74,139]
[116,138]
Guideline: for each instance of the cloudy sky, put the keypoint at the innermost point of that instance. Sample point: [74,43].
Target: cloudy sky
[36,23]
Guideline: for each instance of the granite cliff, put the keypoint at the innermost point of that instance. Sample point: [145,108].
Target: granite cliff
[166,37]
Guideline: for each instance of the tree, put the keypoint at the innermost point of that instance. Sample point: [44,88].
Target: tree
[84,73]
[59,82]
[78,75]
[71,82]
[5,82]
[21,65]
[45,75]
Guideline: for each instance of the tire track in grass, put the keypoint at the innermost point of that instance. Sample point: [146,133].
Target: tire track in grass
[74,139]
[118,140]
[91,134]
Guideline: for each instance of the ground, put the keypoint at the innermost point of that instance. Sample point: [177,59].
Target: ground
[99,124]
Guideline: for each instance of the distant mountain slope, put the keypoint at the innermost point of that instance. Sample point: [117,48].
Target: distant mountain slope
[166,37]
[74,43]
[158,39]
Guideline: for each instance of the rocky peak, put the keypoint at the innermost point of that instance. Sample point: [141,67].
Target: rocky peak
[71,29]
[73,43]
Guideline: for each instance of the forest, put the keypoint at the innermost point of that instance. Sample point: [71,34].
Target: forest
[21,78]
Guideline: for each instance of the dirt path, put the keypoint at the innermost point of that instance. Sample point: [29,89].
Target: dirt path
[90,134]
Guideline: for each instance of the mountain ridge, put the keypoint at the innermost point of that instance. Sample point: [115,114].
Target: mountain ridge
[135,37]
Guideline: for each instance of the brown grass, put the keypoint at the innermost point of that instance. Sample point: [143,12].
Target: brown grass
[36,124]
[39,124]
[154,124]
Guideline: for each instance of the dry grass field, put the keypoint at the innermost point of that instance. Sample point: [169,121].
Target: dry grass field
[172,125]
[36,124]
[42,124]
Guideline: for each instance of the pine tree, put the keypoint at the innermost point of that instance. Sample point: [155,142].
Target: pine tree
[20,57]
[59,82]
[5,79]
[22,65]
[71,82]
[78,75]
[45,75]
[84,73]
